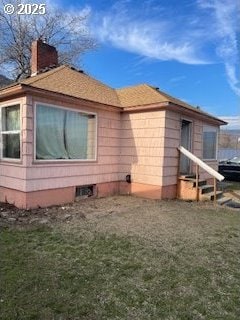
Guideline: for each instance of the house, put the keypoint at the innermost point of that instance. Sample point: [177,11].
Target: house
[65,134]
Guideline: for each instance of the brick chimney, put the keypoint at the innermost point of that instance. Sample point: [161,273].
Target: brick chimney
[43,56]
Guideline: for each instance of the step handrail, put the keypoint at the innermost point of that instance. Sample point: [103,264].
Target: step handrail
[201,164]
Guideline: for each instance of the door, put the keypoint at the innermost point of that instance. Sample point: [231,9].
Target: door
[186,142]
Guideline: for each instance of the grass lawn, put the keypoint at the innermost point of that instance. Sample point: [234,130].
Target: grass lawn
[234,185]
[122,258]
[227,185]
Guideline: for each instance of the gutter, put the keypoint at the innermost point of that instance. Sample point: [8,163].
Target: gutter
[174,107]
[200,113]
[11,91]
[21,89]
[152,106]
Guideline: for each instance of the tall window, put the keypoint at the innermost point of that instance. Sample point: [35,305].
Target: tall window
[63,134]
[10,132]
[209,143]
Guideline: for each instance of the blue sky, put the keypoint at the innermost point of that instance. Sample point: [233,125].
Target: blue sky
[188,48]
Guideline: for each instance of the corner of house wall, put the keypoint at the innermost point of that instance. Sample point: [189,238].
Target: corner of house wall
[167,179]
[14,197]
[27,132]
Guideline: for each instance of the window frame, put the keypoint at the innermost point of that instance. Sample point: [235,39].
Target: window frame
[36,103]
[207,128]
[12,104]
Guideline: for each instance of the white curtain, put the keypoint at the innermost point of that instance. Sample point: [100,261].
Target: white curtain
[209,145]
[61,134]
[11,145]
[10,140]
[76,130]
[50,138]
[12,118]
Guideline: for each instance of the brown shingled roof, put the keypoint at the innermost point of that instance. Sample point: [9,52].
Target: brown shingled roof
[139,95]
[144,94]
[69,81]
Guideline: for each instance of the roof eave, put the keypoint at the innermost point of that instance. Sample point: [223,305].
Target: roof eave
[145,107]
[174,107]
[200,113]
[11,91]
[22,89]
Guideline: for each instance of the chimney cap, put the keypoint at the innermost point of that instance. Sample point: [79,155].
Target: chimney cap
[42,39]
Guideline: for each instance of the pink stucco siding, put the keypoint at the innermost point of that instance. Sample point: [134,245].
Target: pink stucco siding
[142,147]
[28,175]
[58,174]
[142,144]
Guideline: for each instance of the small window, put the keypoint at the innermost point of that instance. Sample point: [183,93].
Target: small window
[209,143]
[84,191]
[10,132]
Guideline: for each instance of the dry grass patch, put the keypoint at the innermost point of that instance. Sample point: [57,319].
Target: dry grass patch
[123,258]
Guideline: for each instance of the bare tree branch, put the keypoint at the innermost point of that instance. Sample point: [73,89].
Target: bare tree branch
[67,31]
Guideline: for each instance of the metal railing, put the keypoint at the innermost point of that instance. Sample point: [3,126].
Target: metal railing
[204,166]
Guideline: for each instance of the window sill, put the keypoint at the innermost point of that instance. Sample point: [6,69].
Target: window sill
[11,161]
[59,162]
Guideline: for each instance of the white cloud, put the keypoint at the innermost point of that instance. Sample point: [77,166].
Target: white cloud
[205,34]
[153,38]
[225,21]
[231,70]
[233,122]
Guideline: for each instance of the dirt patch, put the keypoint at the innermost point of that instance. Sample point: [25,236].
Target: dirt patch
[12,216]
[136,211]
[120,258]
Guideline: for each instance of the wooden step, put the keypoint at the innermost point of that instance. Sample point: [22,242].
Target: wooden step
[200,183]
[206,188]
[205,191]
[210,196]
[223,200]
[187,176]
[193,181]
[234,194]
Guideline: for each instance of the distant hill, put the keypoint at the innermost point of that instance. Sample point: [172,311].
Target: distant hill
[233,132]
[229,139]
[4,81]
